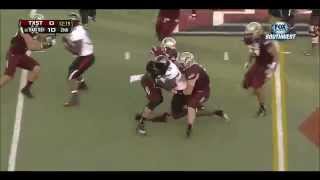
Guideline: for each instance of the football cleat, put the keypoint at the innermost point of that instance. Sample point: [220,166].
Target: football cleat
[261,112]
[141,129]
[83,86]
[73,101]
[222,115]
[27,93]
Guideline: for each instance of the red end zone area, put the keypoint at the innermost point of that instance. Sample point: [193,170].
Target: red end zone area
[231,21]
[310,127]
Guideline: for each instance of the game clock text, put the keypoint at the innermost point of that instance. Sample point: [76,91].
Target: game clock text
[46,26]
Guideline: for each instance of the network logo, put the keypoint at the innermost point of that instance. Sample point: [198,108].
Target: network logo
[280,31]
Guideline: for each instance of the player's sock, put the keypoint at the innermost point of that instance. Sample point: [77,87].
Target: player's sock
[189,129]
[262,107]
[141,127]
[28,85]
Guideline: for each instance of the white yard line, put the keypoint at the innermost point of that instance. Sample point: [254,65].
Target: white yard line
[17,124]
[280,131]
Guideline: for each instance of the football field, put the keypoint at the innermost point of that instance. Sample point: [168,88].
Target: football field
[99,135]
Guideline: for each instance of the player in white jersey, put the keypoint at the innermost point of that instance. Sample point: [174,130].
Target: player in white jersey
[80,45]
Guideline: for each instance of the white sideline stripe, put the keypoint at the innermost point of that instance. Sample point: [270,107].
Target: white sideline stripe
[17,124]
[135,77]
[280,137]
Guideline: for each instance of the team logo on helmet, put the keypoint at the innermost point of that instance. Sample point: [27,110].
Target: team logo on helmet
[168,42]
[186,59]
[252,32]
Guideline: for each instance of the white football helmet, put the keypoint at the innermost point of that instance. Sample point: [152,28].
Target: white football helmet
[186,59]
[35,15]
[253,31]
[169,42]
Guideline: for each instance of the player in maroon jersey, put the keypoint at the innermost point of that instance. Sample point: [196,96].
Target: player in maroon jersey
[167,48]
[167,21]
[153,94]
[18,56]
[264,53]
[197,91]
[314,32]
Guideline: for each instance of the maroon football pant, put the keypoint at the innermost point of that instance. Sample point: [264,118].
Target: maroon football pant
[22,61]
[165,29]
[255,77]
[153,93]
[80,65]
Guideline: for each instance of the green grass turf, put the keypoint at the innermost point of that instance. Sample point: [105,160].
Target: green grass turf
[100,134]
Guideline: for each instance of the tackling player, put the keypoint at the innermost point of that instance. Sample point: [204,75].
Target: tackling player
[161,73]
[19,56]
[263,55]
[80,45]
[197,90]
[167,48]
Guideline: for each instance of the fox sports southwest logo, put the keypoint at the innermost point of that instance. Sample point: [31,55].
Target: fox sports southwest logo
[280,31]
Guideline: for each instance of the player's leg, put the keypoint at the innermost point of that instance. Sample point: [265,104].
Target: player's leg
[4,80]
[92,14]
[76,69]
[82,85]
[178,106]
[254,80]
[314,32]
[84,13]
[155,98]
[9,71]
[260,95]
[33,67]
[159,27]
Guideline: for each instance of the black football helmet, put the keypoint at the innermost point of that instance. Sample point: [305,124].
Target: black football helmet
[158,67]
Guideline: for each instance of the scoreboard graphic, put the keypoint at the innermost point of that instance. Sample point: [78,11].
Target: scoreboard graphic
[46,26]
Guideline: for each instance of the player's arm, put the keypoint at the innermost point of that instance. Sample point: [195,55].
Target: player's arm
[73,46]
[273,50]
[192,79]
[32,44]
[250,60]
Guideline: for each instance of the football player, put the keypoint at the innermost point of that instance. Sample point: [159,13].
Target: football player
[314,31]
[167,48]
[167,21]
[19,56]
[197,90]
[160,73]
[263,58]
[80,45]
[86,14]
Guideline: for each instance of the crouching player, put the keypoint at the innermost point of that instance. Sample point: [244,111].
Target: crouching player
[19,56]
[264,53]
[153,94]
[197,90]
[80,45]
